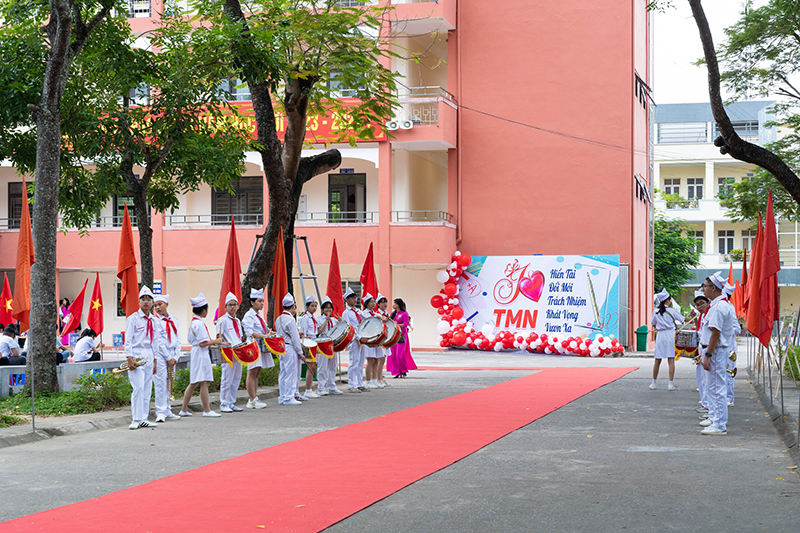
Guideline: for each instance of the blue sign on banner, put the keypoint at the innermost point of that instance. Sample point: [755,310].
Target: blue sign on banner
[156,287]
[116,340]
[73,338]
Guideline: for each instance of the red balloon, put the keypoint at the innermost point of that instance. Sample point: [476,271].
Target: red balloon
[441,311]
[457,313]
[437,301]
[450,289]
[464,260]
[459,338]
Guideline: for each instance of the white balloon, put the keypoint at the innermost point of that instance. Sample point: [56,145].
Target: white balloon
[469,328]
[462,320]
[498,346]
[453,265]
[442,327]
[442,276]
[491,337]
[457,253]
[573,345]
[487,330]
[547,351]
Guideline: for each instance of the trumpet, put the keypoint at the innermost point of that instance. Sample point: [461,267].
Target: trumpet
[732,371]
[732,356]
[124,366]
[171,382]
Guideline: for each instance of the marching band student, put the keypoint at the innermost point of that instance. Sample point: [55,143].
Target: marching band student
[701,304]
[167,355]
[355,366]
[142,340]
[286,326]
[383,314]
[326,368]
[230,328]
[372,354]
[663,320]
[737,329]
[200,370]
[309,328]
[716,337]
[255,327]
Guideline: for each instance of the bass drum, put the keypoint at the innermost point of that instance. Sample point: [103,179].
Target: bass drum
[392,334]
[372,331]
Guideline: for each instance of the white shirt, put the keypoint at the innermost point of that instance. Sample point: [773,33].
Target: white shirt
[252,324]
[326,324]
[721,317]
[83,349]
[286,327]
[353,318]
[6,344]
[667,320]
[228,330]
[138,342]
[170,341]
[308,325]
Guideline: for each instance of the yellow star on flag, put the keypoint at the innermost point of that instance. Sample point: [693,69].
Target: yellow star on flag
[9,305]
[96,304]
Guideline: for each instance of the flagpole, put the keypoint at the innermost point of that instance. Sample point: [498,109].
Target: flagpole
[33,398]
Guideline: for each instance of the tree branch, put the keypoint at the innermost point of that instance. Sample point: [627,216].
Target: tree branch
[318,164]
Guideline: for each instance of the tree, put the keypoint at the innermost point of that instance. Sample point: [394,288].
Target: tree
[62,28]
[675,254]
[298,50]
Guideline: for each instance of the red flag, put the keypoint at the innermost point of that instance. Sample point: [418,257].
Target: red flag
[280,283]
[741,290]
[730,280]
[768,276]
[334,288]
[75,312]
[752,300]
[369,282]
[7,302]
[21,304]
[95,317]
[232,274]
[126,268]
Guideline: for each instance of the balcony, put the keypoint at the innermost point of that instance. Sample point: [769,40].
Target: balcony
[336,217]
[240,219]
[683,204]
[432,114]
[139,9]
[422,216]
[417,17]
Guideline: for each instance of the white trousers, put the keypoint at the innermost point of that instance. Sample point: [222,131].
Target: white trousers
[231,379]
[326,373]
[729,378]
[163,406]
[355,366]
[141,380]
[700,375]
[297,376]
[286,377]
[717,388]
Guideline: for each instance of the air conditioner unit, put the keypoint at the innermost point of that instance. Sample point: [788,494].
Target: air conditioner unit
[406,124]
[393,125]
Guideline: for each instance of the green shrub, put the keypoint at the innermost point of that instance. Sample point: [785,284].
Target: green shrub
[8,421]
[792,364]
[267,377]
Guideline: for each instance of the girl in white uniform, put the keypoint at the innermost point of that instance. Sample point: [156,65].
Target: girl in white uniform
[256,328]
[371,353]
[85,348]
[383,303]
[663,320]
[309,328]
[200,364]
[326,367]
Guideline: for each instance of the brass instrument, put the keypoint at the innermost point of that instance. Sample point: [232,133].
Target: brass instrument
[124,366]
[732,371]
[732,356]
[171,382]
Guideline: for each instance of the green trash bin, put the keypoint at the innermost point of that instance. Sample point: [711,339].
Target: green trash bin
[641,339]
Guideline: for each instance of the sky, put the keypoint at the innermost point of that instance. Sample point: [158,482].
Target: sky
[676,45]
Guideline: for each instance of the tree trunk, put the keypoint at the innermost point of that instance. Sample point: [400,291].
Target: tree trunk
[729,141]
[142,210]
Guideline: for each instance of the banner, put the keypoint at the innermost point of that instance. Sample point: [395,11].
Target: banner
[564,295]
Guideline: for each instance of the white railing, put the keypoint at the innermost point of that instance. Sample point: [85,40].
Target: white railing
[420,105]
[337,217]
[240,219]
[421,216]
[139,9]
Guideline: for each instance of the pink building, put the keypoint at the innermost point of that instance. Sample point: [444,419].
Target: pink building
[529,134]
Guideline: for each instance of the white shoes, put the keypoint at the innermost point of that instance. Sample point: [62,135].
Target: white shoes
[353,390]
[671,387]
[713,430]
[236,409]
[291,402]
[185,414]
[311,394]
[173,416]
[730,404]
[335,392]
[379,385]
[371,385]
[161,418]
[226,410]
[255,404]
[136,424]
[322,392]
[705,423]
[212,414]
[653,386]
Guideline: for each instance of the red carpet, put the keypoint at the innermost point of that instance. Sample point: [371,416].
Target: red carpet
[422,439]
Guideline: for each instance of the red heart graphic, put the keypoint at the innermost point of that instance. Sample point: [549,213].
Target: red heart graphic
[532,287]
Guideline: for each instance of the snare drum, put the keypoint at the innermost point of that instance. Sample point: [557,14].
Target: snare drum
[310,349]
[342,335]
[686,343]
[372,331]
[325,346]
[392,334]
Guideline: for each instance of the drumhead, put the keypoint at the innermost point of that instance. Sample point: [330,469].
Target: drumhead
[339,329]
[391,327]
[371,328]
[308,343]
[322,338]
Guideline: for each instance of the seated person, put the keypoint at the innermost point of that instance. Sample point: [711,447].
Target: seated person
[63,353]
[9,349]
[85,348]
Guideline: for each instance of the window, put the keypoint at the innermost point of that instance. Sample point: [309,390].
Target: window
[725,240]
[15,204]
[140,95]
[725,187]
[355,285]
[682,133]
[747,130]
[246,204]
[347,198]
[694,188]
[119,209]
[672,186]
[120,310]
[697,235]
[748,239]
[234,89]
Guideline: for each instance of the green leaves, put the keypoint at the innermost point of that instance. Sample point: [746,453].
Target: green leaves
[674,254]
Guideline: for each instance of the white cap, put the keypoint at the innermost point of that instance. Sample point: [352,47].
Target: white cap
[145,291]
[326,300]
[198,301]
[717,279]
[380,297]
[230,296]
[288,301]
[728,289]
[367,297]
[661,296]
[350,292]
[699,294]
[162,298]
[310,298]
[256,293]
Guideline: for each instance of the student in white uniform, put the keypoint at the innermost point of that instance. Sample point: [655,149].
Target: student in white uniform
[716,337]
[286,327]
[142,340]
[383,313]
[309,328]
[168,355]
[663,320]
[230,329]
[701,304]
[355,365]
[256,328]
[200,367]
[372,354]
[737,329]
[326,367]
[9,347]
[85,348]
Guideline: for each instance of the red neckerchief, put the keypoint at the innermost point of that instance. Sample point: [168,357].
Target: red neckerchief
[700,320]
[312,321]
[169,322]
[235,326]
[358,315]
[204,325]
[263,324]
[150,327]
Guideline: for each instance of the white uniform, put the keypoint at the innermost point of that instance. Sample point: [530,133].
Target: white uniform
[385,352]
[326,368]
[721,317]
[286,327]
[737,329]
[253,323]
[142,339]
[231,330]
[700,372]
[200,367]
[355,366]
[308,326]
[83,349]
[665,338]
[169,349]
[370,352]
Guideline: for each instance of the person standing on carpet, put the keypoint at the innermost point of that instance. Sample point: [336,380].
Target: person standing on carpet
[286,327]
[326,367]
[229,327]
[355,366]
[142,341]
[309,328]
[383,314]
[663,320]
[256,328]
[401,360]
[200,368]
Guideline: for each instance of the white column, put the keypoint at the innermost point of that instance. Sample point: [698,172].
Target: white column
[710,241]
[708,182]
[657,177]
